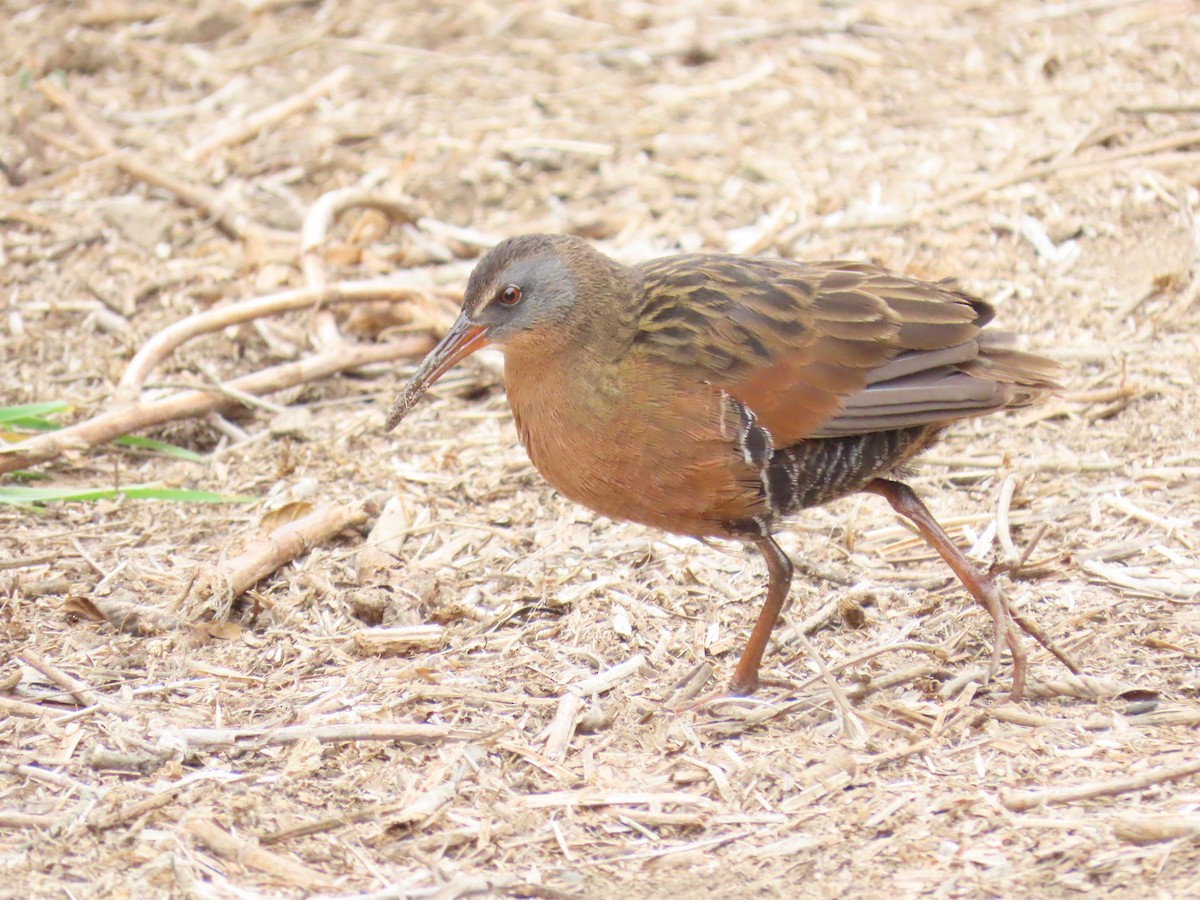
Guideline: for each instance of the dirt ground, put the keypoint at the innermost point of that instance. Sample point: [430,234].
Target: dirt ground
[495,707]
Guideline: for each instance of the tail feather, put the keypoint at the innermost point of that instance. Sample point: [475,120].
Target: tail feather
[1001,362]
[982,376]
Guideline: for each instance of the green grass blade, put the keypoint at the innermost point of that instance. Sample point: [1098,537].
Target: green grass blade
[180,495]
[32,423]
[12,414]
[141,443]
[30,495]
[32,417]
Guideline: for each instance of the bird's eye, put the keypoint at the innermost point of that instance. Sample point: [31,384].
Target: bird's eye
[510,296]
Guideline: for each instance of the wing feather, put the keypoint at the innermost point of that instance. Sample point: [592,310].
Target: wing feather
[831,349]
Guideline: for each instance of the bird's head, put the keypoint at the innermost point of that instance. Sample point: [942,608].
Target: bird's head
[528,293]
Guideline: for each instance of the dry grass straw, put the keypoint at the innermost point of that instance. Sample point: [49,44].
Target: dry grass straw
[416,671]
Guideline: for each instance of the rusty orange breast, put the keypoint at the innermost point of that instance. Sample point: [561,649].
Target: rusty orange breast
[631,440]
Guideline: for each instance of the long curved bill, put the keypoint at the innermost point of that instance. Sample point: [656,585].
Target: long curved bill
[463,339]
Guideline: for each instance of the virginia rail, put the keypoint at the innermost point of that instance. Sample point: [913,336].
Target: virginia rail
[715,395]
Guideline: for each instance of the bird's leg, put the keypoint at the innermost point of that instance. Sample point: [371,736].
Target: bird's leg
[980,586]
[779,567]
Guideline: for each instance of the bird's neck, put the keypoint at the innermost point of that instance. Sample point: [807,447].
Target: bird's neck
[539,375]
[568,376]
[570,391]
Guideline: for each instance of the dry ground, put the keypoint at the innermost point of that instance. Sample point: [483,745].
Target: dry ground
[1048,154]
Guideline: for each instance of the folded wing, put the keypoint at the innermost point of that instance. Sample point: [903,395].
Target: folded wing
[834,349]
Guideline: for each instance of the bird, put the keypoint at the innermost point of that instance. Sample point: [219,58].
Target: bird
[716,395]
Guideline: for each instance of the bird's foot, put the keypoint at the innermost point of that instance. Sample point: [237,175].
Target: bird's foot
[738,692]
[743,684]
[1003,633]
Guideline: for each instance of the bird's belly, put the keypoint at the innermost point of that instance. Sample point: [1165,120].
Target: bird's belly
[629,457]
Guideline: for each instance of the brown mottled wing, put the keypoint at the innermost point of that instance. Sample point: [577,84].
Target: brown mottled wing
[831,349]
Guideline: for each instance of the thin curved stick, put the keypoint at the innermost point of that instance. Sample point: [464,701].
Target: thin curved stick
[321,215]
[330,205]
[1008,551]
[159,347]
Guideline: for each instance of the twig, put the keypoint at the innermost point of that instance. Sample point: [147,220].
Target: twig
[213,738]
[754,33]
[850,722]
[46,776]
[10,212]
[21,562]
[13,819]
[602,681]
[538,761]
[1124,506]
[494,884]
[1147,585]
[393,814]
[1008,552]
[1098,722]
[236,576]
[1137,109]
[39,186]
[132,810]
[317,221]
[469,237]
[1019,801]
[328,207]
[1045,12]
[103,15]
[1155,829]
[418,691]
[1028,551]
[12,707]
[303,829]
[73,685]
[903,675]
[241,397]
[161,345]
[248,127]
[382,548]
[88,558]
[690,847]
[126,611]
[823,615]
[587,798]
[558,736]
[406,639]
[247,853]
[690,684]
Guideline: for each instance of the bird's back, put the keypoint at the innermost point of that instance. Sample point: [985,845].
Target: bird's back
[833,349]
[827,375]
